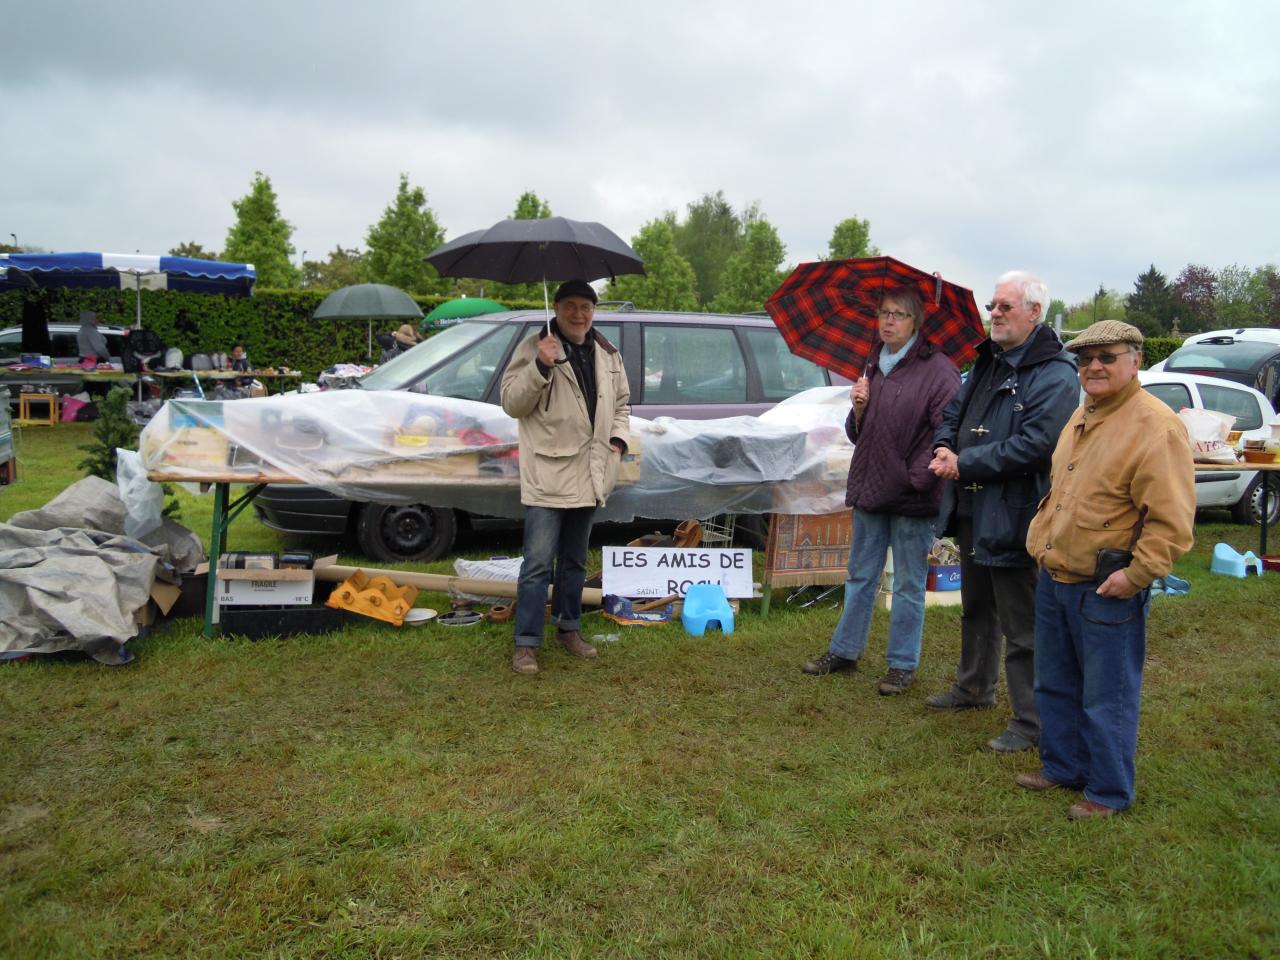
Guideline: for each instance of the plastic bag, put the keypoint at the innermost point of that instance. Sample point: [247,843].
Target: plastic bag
[1207,430]
[143,500]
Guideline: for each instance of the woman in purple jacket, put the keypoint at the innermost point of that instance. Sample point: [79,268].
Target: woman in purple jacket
[897,406]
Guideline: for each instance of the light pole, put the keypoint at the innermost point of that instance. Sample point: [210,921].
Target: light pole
[15,240]
[302,269]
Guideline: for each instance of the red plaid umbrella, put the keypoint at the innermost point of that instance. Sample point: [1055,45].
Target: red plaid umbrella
[827,311]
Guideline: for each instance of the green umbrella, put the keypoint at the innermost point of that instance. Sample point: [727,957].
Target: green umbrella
[461,308]
[368,301]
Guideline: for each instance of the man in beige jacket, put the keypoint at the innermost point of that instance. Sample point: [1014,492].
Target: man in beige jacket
[1120,511]
[569,392]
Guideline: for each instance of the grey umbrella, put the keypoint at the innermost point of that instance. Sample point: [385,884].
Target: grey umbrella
[368,301]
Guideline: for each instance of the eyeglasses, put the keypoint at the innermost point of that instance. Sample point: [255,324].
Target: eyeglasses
[898,315]
[1002,307]
[1083,361]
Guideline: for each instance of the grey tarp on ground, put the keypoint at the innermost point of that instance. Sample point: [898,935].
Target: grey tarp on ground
[94,504]
[68,589]
[71,580]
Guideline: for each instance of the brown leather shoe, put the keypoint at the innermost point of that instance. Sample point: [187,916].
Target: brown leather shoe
[574,645]
[525,660]
[1036,781]
[1088,810]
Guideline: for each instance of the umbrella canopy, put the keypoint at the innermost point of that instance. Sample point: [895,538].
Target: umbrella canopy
[524,251]
[827,311]
[127,271]
[370,302]
[462,308]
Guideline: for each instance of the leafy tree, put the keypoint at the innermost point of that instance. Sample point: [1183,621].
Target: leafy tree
[754,272]
[1267,292]
[1057,308]
[261,236]
[669,282]
[531,207]
[397,243]
[1103,305]
[710,234]
[1150,306]
[344,268]
[851,238]
[193,250]
[1193,297]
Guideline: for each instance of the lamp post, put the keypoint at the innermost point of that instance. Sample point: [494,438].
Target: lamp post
[302,269]
[15,240]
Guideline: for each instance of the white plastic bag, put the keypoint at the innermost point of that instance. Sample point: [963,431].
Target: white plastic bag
[143,500]
[1207,430]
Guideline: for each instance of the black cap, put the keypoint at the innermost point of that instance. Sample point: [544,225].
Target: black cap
[576,288]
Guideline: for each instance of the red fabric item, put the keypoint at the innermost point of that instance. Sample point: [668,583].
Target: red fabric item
[827,311]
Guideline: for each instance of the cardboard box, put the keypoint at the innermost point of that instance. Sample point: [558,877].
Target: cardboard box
[198,447]
[436,456]
[265,587]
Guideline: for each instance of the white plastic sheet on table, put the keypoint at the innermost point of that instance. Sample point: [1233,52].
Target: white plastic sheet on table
[399,447]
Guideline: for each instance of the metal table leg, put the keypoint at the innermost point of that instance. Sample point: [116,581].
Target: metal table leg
[217,542]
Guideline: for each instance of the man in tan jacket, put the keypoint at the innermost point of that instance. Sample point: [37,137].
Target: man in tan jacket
[1120,511]
[569,392]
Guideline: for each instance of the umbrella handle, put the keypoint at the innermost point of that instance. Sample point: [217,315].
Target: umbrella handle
[937,288]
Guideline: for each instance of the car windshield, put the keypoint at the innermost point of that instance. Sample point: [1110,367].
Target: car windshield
[1240,355]
[409,367]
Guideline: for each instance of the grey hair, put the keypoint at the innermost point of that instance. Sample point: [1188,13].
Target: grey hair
[1033,289]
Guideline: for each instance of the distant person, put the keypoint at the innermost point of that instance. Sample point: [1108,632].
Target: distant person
[1120,510]
[239,361]
[406,338]
[566,386]
[994,446]
[90,343]
[897,407]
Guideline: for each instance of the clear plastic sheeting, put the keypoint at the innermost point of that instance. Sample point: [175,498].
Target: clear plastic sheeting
[398,447]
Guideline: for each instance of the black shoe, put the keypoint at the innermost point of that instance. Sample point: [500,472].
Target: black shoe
[829,663]
[1010,742]
[896,681]
[954,701]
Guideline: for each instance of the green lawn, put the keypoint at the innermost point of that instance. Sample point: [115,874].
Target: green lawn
[401,793]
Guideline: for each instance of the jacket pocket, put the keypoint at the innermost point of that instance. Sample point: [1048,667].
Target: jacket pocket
[555,477]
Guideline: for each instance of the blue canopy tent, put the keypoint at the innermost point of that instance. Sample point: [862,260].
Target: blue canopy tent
[125,271]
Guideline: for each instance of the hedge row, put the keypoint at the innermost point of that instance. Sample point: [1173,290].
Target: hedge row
[275,326]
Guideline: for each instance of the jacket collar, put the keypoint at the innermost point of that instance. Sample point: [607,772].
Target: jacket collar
[1043,344]
[1096,411]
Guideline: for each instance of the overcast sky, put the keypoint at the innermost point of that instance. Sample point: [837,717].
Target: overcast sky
[1081,141]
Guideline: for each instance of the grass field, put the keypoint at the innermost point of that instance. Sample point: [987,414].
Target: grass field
[384,793]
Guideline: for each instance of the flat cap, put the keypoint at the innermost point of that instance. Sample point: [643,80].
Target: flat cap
[576,288]
[1107,331]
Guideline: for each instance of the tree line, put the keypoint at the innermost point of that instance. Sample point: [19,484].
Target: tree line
[712,258]
[1197,299]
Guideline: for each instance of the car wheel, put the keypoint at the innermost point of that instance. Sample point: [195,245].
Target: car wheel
[1249,508]
[396,533]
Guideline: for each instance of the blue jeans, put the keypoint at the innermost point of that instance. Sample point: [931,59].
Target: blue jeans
[1089,655]
[555,551]
[873,533]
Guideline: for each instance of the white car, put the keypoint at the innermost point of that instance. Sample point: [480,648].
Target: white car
[1239,491]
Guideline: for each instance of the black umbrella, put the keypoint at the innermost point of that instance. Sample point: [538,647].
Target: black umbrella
[522,251]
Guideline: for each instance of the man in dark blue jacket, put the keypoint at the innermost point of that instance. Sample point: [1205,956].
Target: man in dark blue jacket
[994,445]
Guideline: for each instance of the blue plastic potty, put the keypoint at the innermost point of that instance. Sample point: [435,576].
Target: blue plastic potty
[1231,563]
[706,603]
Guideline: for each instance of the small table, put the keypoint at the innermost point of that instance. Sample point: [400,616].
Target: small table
[24,409]
[1265,469]
[279,379]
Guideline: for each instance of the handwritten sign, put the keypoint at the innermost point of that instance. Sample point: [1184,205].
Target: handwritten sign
[662,571]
